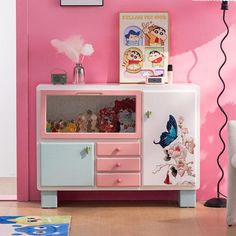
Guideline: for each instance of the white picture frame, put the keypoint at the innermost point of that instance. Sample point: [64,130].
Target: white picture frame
[81,2]
[138,40]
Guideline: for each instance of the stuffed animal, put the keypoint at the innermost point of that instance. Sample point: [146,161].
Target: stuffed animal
[82,123]
[127,121]
[94,123]
[54,126]
[61,126]
[92,120]
[71,126]
[108,120]
[49,126]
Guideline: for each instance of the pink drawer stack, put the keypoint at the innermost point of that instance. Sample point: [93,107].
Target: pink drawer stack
[118,164]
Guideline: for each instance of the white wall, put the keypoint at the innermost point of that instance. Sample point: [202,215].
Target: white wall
[8,88]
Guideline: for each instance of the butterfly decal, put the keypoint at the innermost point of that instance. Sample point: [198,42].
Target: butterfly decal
[168,137]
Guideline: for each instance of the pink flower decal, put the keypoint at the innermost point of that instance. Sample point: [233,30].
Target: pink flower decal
[177,150]
[190,145]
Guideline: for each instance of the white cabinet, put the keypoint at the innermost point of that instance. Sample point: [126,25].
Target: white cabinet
[170,138]
[118,137]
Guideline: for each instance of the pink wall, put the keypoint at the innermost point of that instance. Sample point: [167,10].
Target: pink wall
[22,101]
[196,29]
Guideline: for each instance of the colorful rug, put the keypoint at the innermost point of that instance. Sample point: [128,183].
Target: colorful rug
[35,225]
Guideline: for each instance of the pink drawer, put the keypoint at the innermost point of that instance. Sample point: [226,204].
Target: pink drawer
[118,149]
[118,180]
[118,164]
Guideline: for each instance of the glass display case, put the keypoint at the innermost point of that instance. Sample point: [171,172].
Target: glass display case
[91,114]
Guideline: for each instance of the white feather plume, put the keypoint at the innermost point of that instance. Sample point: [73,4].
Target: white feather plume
[87,50]
[73,47]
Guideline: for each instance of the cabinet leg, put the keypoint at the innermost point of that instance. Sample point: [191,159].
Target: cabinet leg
[49,199]
[187,198]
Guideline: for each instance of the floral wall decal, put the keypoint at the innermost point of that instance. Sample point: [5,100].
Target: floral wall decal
[178,147]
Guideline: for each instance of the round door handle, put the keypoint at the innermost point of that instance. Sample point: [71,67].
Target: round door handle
[119,181]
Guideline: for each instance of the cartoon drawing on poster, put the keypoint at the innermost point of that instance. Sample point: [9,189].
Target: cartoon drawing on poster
[154,57]
[154,34]
[133,36]
[133,60]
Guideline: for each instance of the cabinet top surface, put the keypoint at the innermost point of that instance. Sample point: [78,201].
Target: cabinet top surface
[176,86]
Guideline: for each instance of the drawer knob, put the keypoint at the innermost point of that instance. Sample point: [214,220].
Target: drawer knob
[118,164]
[118,149]
[119,181]
[148,114]
[87,149]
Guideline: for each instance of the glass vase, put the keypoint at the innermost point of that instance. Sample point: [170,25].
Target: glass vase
[78,74]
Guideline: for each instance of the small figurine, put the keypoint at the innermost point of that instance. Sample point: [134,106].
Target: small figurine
[55,126]
[71,127]
[62,125]
[127,121]
[108,120]
[48,126]
[82,123]
[125,104]
[92,121]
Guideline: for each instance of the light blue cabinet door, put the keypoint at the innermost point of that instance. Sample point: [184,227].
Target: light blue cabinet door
[66,164]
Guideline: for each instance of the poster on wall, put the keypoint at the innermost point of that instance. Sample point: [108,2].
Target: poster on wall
[144,46]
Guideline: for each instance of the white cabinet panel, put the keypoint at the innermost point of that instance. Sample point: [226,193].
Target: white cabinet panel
[170,138]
